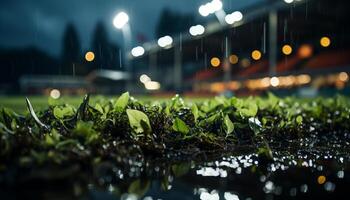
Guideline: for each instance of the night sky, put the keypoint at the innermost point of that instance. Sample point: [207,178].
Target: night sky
[41,23]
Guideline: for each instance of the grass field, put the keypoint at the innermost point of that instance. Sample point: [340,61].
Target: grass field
[18,104]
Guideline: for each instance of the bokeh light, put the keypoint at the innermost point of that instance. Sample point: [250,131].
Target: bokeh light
[305,51]
[215,62]
[55,93]
[321,179]
[120,20]
[89,56]
[287,49]
[233,59]
[343,76]
[325,41]
[256,54]
[274,81]
[245,62]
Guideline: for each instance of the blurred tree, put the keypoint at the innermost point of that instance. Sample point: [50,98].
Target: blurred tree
[171,23]
[106,53]
[71,50]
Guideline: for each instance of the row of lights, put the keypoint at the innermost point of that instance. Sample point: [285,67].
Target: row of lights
[304,51]
[210,8]
[233,17]
[339,80]
[165,42]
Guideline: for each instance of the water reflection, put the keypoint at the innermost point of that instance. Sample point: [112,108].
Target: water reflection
[303,174]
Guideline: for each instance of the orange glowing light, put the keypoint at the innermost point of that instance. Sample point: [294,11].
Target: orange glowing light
[325,41]
[89,56]
[343,76]
[321,179]
[305,51]
[245,62]
[233,59]
[287,49]
[256,54]
[215,62]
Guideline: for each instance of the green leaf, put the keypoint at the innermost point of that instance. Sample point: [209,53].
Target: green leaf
[180,126]
[250,109]
[99,108]
[139,121]
[299,119]
[61,113]
[195,113]
[122,101]
[228,125]
[255,125]
[85,131]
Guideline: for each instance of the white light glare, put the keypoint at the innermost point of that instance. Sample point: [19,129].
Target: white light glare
[55,93]
[210,8]
[197,30]
[274,81]
[165,41]
[120,20]
[152,85]
[234,17]
[144,78]
[288,1]
[137,51]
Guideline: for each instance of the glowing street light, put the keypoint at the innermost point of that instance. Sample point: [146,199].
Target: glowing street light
[215,62]
[325,41]
[288,1]
[256,54]
[137,51]
[210,8]
[197,30]
[152,85]
[287,49]
[89,56]
[274,81]
[165,41]
[144,78]
[120,20]
[233,17]
[55,93]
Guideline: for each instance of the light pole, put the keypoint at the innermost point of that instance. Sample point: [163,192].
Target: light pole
[120,21]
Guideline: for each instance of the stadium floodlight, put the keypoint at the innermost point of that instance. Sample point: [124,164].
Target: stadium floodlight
[120,20]
[288,1]
[197,30]
[210,8]
[234,17]
[165,41]
[137,51]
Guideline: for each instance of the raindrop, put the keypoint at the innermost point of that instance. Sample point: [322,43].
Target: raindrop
[226,48]
[120,58]
[196,53]
[264,38]
[180,41]
[285,24]
[73,69]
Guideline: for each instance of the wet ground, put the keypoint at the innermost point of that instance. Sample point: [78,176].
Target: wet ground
[303,174]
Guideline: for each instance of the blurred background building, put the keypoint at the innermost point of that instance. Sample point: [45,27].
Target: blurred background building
[297,47]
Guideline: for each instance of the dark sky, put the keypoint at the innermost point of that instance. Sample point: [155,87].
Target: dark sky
[41,22]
